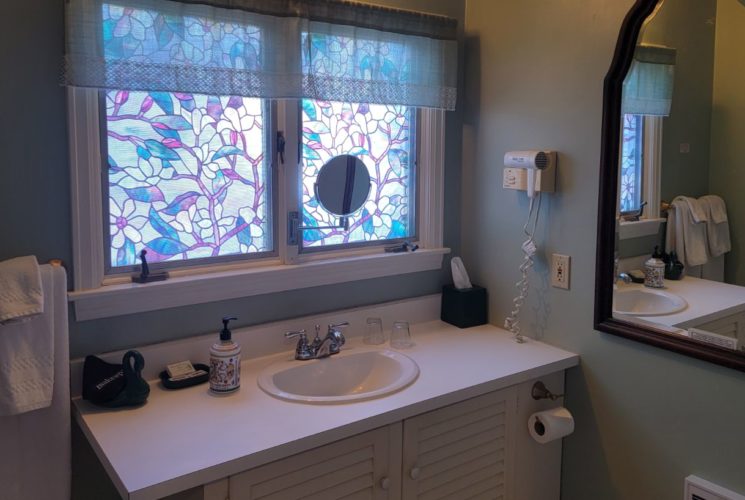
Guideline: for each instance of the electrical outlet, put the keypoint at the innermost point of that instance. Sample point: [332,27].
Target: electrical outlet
[560,269]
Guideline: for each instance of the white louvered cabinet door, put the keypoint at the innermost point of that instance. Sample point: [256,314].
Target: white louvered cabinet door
[362,467]
[462,451]
[729,326]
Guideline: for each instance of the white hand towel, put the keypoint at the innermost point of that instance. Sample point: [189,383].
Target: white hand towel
[20,288]
[27,357]
[684,236]
[716,232]
[716,208]
[698,214]
[36,459]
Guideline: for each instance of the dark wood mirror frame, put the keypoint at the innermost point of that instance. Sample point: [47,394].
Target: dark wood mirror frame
[609,164]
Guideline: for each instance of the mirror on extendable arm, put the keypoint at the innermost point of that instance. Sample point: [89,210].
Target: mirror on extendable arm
[341,188]
[343,185]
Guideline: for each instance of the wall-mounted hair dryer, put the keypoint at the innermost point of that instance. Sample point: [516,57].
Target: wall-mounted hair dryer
[530,162]
[529,171]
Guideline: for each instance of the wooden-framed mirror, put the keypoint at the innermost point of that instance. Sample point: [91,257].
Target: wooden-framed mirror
[669,145]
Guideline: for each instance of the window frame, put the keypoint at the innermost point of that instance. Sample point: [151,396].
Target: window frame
[650,177]
[651,166]
[270,145]
[414,167]
[98,295]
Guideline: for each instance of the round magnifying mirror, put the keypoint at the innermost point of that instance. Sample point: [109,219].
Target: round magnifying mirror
[343,185]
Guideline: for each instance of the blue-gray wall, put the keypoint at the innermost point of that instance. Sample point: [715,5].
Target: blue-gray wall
[645,418]
[35,193]
[34,184]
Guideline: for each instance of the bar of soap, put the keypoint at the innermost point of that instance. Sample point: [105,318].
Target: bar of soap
[179,369]
[637,276]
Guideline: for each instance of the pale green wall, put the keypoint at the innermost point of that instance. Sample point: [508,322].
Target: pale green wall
[728,129]
[645,418]
[688,26]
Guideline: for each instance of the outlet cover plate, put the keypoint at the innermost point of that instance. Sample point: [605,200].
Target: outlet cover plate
[560,270]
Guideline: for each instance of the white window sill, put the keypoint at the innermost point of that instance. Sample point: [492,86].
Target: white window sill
[129,298]
[637,229]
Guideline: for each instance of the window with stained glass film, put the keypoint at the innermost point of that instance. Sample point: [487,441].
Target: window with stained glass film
[382,137]
[188,176]
[631,163]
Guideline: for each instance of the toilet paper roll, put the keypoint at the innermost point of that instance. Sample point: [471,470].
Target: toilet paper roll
[549,425]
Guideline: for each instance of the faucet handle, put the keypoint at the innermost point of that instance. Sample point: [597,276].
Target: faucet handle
[302,350]
[297,333]
[336,326]
[336,334]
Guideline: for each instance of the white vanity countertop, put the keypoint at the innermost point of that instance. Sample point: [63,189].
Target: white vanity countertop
[707,301]
[186,438]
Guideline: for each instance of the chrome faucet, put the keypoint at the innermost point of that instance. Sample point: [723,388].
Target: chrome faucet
[619,276]
[330,345]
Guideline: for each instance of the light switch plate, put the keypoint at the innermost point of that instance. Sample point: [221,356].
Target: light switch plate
[560,270]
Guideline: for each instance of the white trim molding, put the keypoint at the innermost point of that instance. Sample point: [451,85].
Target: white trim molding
[652,169]
[116,300]
[639,228]
[85,187]
[431,172]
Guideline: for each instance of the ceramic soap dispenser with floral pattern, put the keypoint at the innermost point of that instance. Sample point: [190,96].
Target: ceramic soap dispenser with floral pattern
[225,362]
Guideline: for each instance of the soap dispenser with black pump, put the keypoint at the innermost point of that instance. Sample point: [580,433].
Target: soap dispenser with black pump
[225,362]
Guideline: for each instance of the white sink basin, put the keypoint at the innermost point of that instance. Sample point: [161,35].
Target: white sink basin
[353,375]
[647,302]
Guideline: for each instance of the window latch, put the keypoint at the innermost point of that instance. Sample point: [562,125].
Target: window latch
[281,146]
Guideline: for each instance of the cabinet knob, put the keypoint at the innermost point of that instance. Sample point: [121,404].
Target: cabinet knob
[414,472]
[385,483]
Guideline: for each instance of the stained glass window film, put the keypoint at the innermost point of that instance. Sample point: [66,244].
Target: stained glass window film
[152,36]
[631,162]
[188,176]
[382,136]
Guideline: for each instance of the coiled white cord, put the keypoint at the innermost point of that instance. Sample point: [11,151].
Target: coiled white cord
[512,322]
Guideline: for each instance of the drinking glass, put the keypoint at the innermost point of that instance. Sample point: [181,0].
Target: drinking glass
[400,335]
[374,334]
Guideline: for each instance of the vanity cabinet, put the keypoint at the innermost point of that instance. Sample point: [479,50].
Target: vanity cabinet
[460,451]
[465,450]
[729,326]
[365,466]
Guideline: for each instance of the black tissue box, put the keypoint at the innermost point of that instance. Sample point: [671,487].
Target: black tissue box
[464,308]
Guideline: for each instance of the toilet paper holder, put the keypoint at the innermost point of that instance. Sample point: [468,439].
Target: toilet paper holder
[540,391]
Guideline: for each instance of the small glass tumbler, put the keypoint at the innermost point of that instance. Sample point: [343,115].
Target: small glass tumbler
[374,334]
[401,336]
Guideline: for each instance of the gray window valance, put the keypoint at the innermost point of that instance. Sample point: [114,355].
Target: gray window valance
[648,87]
[329,50]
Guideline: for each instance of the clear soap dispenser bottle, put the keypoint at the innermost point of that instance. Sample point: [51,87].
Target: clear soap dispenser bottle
[225,362]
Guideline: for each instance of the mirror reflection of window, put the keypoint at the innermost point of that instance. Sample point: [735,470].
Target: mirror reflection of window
[647,99]
[631,163]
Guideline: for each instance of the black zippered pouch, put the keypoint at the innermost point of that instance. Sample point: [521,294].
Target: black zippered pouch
[113,385]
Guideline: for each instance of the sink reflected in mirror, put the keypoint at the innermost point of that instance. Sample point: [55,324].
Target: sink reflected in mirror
[646,302]
[350,376]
